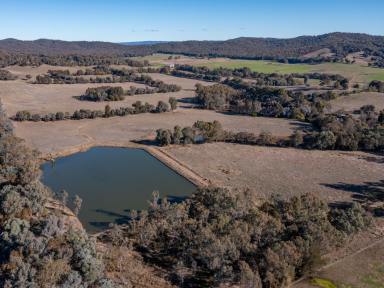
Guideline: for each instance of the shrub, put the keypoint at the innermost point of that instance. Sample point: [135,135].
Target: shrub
[162,107]
[173,103]
[105,93]
[164,137]
[6,75]
[265,138]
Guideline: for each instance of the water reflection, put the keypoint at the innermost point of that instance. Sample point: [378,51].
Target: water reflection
[112,182]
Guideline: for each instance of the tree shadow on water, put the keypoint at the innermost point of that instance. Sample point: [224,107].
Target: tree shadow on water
[176,199]
[119,219]
[122,219]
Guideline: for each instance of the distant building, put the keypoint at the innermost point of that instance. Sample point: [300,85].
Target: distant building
[171,65]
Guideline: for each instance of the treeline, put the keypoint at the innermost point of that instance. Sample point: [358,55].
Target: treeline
[137,108]
[217,237]
[338,131]
[117,76]
[6,75]
[68,60]
[378,62]
[39,248]
[261,79]
[111,93]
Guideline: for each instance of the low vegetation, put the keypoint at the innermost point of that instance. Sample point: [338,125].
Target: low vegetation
[38,247]
[215,237]
[6,75]
[376,86]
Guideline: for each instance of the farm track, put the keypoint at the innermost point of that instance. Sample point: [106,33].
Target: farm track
[377,235]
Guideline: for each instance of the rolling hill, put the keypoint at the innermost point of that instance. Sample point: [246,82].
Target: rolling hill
[338,44]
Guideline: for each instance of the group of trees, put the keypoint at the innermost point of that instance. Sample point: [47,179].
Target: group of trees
[38,248]
[377,62]
[343,131]
[200,132]
[219,237]
[104,93]
[6,75]
[246,98]
[137,108]
[376,86]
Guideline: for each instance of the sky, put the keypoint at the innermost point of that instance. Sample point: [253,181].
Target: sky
[171,20]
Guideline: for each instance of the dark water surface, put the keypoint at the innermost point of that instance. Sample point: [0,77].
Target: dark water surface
[112,181]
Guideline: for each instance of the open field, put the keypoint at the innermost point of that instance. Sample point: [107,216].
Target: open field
[355,101]
[53,137]
[261,66]
[40,98]
[359,72]
[355,72]
[22,71]
[332,175]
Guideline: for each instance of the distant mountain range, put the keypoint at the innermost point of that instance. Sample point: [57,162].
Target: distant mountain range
[143,43]
[336,44]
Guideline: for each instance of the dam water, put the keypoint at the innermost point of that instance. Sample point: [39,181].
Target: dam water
[113,181]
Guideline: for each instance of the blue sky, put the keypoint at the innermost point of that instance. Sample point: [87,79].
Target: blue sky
[117,20]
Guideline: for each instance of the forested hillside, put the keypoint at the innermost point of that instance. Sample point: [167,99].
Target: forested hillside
[247,47]
[338,44]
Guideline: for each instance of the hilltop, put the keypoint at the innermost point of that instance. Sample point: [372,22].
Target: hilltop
[332,45]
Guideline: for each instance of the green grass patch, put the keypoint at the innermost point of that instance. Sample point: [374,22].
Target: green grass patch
[324,283]
[153,57]
[261,66]
[374,76]
[376,278]
[354,72]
